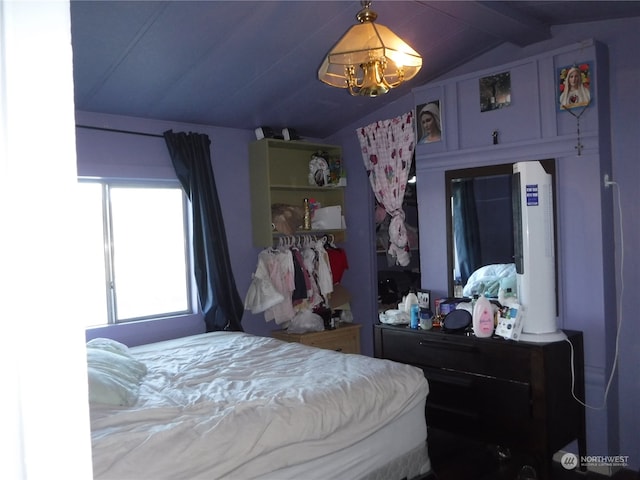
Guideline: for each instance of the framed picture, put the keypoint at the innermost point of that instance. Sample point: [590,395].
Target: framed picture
[574,86]
[495,91]
[424,298]
[429,122]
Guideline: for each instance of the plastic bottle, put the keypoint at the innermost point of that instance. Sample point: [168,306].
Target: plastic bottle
[457,288]
[506,297]
[501,296]
[410,300]
[415,316]
[474,300]
[483,318]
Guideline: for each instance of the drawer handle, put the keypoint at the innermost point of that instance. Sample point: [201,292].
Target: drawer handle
[448,346]
[339,349]
[466,382]
[469,414]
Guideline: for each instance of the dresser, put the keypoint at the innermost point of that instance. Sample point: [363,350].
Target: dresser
[345,338]
[501,392]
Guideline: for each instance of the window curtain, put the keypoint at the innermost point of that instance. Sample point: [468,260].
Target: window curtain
[219,299]
[466,228]
[387,151]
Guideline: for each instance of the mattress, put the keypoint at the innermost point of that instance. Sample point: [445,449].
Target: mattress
[396,451]
[237,406]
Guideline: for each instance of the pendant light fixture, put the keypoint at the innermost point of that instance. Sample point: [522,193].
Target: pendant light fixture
[369,59]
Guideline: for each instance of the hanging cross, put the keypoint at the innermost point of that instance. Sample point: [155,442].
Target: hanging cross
[579,145]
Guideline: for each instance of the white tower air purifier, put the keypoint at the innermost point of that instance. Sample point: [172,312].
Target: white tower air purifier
[534,252]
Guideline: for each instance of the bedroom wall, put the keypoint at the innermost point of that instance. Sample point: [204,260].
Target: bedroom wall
[614,430]
[611,429]
[123,155]
[120,155]
[531,128]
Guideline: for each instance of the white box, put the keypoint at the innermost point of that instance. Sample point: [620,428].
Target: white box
[327,218]
[510,321]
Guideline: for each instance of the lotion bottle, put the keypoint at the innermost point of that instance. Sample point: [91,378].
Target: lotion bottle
[483,318]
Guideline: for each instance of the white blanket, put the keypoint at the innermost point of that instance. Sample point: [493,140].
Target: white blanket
[237,406]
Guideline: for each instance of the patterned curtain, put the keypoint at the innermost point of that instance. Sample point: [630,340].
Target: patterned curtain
[387,151]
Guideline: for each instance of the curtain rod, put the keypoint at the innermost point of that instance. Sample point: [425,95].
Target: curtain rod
[89,127]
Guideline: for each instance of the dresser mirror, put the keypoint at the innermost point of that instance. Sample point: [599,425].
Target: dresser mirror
[480,219]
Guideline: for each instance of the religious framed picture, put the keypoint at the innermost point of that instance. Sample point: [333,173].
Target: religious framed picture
[574,86]
[495,91]
[429,122]
[424,298]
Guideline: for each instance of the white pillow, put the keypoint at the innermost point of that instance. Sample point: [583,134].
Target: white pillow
[114,377]
[108,344]
[107,389]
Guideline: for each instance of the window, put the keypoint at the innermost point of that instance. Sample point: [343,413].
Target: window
[136,260]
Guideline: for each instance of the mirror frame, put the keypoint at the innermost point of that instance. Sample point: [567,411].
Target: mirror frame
[487,171]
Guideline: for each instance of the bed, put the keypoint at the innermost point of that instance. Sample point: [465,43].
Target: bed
[230,405]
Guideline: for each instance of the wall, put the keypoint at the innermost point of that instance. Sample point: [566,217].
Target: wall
[112,154]
[532,128]
[120,155]
[612,427]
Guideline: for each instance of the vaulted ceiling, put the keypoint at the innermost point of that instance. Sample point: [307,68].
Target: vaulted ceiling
[244,64]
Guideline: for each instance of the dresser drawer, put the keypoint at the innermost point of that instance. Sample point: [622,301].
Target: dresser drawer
[343,343]
[496,358]
[474,396]
[515,394]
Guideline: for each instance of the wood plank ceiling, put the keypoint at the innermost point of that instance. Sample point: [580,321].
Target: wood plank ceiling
[244,64]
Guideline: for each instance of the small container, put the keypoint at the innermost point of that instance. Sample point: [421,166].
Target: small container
[426,319]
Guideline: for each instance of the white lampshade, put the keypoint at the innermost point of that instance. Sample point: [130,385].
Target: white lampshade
[369,59]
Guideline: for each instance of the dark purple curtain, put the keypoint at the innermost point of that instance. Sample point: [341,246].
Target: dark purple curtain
[466,228]
[217,292]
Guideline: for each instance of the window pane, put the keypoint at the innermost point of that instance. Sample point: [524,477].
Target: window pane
[149,256]
[93,298]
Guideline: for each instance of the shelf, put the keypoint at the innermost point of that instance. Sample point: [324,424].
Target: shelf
[279,174]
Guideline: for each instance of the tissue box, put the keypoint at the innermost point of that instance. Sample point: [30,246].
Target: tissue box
[327,218]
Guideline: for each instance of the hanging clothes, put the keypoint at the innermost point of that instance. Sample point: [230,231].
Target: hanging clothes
[301,278]
[261,295]
[338,262]
[280,266]
[323,269]
[309,256]
[275,267]
[290,279]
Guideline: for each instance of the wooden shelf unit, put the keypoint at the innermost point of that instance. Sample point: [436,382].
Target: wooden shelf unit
[279,173]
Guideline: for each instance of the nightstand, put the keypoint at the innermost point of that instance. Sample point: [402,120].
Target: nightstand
[345,338]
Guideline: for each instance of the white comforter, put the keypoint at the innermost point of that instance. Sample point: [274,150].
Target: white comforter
[237,406]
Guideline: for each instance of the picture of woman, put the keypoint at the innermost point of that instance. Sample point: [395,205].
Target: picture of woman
[429,122]
[574,87]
